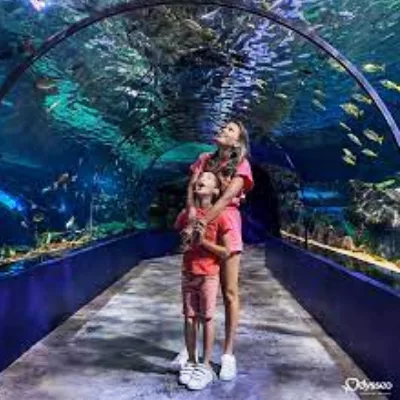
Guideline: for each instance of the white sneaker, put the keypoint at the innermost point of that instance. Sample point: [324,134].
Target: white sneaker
[186,373]
[181,359]
[201,377]
[228,367]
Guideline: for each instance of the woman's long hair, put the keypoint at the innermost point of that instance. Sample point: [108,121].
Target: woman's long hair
[236,155]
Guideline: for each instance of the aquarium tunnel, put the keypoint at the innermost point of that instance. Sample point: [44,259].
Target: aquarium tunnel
[105,105]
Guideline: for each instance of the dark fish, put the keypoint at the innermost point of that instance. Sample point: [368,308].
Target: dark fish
[305,71]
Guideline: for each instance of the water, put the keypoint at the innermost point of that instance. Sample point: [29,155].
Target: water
[93,131]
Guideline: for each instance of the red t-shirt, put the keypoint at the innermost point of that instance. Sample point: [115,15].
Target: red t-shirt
[243,170]
[197,260]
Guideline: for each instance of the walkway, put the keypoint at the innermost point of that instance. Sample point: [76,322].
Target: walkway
[118,347]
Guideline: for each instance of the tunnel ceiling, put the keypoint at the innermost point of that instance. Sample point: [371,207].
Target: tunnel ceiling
[148,89]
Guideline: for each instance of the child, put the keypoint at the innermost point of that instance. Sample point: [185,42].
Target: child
[200,280]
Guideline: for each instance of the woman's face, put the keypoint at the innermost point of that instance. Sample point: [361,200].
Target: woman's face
[228,136]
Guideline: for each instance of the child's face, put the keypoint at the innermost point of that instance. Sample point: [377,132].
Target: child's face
[228,136]
[206,184]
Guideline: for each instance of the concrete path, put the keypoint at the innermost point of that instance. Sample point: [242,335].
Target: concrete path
[119,346]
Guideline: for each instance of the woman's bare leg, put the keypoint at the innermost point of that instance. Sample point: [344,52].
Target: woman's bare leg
[208,335]
[230,293]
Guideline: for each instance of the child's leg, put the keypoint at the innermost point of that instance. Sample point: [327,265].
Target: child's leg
[208,300]
[190,296]
[191,337]
[208,339]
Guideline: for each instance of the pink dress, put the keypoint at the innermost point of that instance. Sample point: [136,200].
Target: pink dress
[231,212]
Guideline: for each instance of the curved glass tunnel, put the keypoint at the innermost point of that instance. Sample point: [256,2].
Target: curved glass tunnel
[97,135]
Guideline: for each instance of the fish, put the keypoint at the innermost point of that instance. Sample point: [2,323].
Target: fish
[39,217]
[348,153]
[369,153]
[193,25]
[373,68]
[54,105]
[46,84]
[347,14]
[49,236]
[318,104]
[352,109]
[7,103]
[306,71]
[370,134]
[62,180]
[24,224]
[361,98]
[319,93]
[336,66]
[390,85]
[354,139]
[281,96]
[211,15]
[349,160]
[345,127]
[260,83]
[47,189]
[386,184]
[70,223]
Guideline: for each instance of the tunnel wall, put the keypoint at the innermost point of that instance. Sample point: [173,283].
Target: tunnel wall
[362,315]
[41,297]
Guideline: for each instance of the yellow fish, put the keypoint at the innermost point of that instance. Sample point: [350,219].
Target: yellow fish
[349,160]
[354,139]
[385,184]
[318,104]
[369,153]
[349,154]
[345,127]
[370,134]
[336,66]
[390,85]
[361,98]
[373,68]
[352,109]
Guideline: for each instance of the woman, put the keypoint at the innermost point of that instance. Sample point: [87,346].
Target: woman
[229,162]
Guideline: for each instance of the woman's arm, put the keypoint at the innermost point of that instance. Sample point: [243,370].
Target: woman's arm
[220,251]
[232,191]
[190,191]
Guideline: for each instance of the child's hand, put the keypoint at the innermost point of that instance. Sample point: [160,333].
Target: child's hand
[198,233]
[186,239]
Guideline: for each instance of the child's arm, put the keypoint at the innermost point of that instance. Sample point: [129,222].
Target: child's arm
[220,251]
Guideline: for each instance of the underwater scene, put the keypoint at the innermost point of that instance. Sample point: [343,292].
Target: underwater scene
[106,103]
